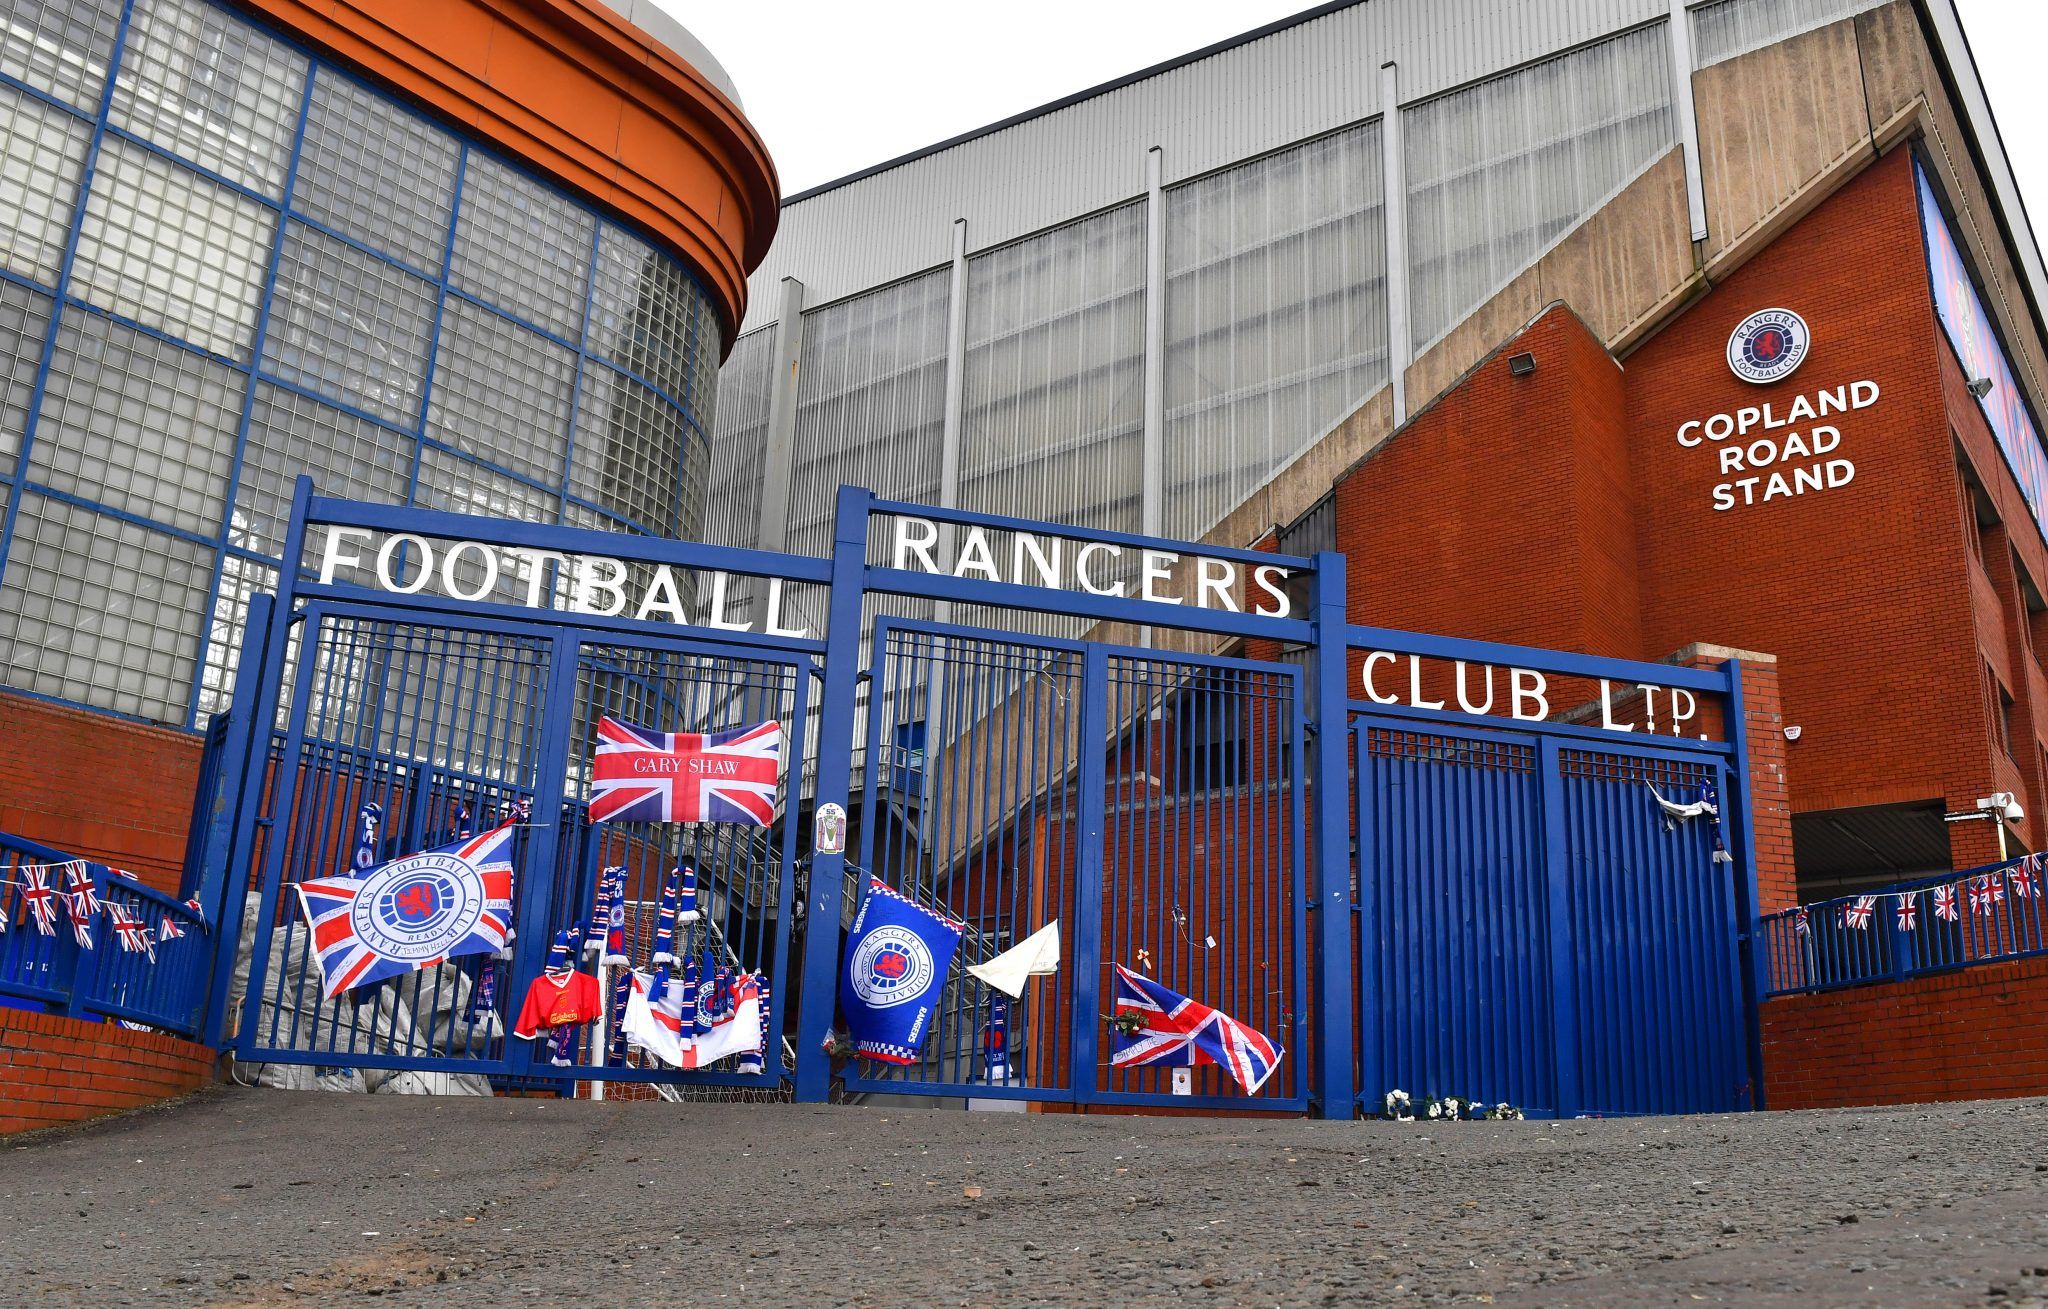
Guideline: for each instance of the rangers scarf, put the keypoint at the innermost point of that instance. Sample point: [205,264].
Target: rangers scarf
[364,857]
[1176,1032]
[898,955]
[643,776]
[413,912]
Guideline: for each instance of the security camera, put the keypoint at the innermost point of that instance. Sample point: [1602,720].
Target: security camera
[2003,804]
[1980,387]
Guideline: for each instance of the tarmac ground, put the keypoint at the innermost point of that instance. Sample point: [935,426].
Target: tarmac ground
[271,1197]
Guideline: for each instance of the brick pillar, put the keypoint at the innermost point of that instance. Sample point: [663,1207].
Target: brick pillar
[1770,796]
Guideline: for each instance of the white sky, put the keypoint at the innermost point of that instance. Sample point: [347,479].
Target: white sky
[834,87]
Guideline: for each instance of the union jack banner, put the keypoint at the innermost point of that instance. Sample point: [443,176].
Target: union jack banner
[643,776]
[1176,1032]
[1909,910]
[413,912]
[198,911]
[2023,884]
[1945,904]
[168,930]
[81,901]
[41,900]
[1800,922]
[1857,915]
[131,932]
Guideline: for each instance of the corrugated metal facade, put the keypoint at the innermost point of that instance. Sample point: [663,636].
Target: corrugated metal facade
[1519,118]
[1498,171]
[1293,84]
[1728,28]
[1276,316]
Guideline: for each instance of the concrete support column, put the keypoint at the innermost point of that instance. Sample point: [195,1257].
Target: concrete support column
[1153,505]
[1394,179]
[1680,42]
[780,455]
[956,371]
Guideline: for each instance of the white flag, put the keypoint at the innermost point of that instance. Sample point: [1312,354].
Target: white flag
[1037,955]
[654,1023]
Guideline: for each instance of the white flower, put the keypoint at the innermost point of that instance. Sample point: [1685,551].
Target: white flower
[1505,1110]
[1451,1107]
[1435,1110]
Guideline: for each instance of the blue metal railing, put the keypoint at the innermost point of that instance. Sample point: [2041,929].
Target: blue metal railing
[1951,920]
[167,992]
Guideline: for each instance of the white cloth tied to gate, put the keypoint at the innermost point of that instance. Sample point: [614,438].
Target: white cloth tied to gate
[1037,955]
[1676,813]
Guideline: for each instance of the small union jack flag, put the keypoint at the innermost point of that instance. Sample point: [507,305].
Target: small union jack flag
[1945,904]
[1176,1032]
[1857,915]
[1800,922]
[198,911]
[2024,884]
[169,930]
[643,776]
[41,900]
[81,901]
[132,933]
[1980,895]
[1909,910]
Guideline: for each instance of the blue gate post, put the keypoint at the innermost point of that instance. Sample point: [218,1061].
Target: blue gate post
[1334,1086]
[834,782]
[1564,963]
[1750,962]
[246,749]
[227,932]
[1091,783]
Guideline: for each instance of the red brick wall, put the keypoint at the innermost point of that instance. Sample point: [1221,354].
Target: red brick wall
[1861,591]
[1965,1035]
[60,1070]
[108,790]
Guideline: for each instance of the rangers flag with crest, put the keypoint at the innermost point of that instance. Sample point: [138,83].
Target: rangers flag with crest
[643,776]
[413,912]
[1176,1032]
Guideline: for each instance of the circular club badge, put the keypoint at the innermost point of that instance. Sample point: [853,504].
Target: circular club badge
[413,909]
[891,966]
[1766,346]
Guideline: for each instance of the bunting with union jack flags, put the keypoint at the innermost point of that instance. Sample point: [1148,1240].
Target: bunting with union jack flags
[1173,1031]
[131,933]
[1857,915]
[1945,904]
[81,901]
[41,900]
[643,776]
[2023,881]
[413,912]
[1909,910]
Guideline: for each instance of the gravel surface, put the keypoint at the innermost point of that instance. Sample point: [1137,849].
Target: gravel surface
[269,1197]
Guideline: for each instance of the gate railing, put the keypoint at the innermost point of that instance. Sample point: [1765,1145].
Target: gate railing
[1983,915]
[165,989]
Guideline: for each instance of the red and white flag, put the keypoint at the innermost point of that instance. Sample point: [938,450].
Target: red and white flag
[1945,904]
[643,776]
[1857,915]
[131,932]
[41,900]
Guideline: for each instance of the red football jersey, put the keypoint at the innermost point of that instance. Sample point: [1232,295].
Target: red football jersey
[558,1000]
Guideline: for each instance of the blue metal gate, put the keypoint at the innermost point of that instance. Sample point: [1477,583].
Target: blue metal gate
[1534,930]
[1150,803]
[1454,902]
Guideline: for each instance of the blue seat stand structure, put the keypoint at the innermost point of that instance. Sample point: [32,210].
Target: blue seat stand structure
[1025,723]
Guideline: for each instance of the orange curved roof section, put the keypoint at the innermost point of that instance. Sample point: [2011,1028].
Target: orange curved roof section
[576,92]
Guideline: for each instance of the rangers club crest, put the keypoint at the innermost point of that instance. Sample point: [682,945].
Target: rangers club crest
[891,966]
[1766,346]
[412,909]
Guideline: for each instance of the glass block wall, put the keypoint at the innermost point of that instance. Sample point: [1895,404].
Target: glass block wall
[225,262]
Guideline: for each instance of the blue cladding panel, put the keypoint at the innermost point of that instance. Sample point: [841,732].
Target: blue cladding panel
[1456,845]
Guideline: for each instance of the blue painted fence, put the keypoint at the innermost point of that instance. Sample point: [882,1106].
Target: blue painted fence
[54,974]
[1951,920]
